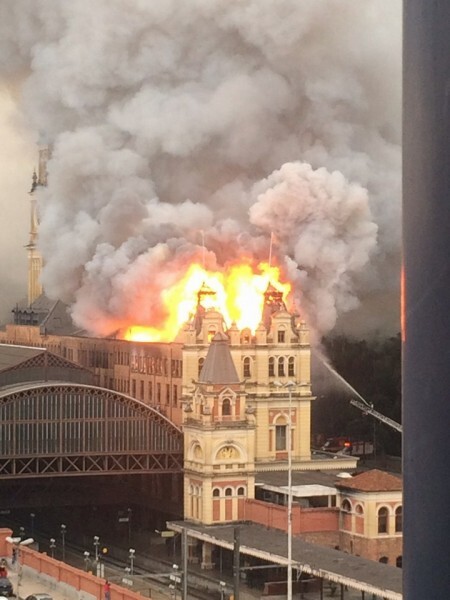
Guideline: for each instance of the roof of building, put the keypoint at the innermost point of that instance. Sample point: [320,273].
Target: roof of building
[51,315]
[58,320]
[271,545]
[219,366]
[372,481]
[41,305]
[25,364]
[299,478]
[10,355]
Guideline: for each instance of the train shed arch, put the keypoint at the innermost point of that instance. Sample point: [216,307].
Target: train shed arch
[50,429]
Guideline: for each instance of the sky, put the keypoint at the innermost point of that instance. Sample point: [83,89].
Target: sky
[17,160]
[227,122]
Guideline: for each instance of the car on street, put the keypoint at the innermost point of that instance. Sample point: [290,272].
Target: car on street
[39,596]
[6,587]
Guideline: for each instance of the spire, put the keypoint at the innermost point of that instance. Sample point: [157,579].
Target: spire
[204,292]
[273,302]
[219,366]
[34,257]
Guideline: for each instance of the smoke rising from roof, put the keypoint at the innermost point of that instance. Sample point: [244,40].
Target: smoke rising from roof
[235,118]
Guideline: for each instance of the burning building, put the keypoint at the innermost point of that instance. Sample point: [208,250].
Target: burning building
[230,362]
[169,179]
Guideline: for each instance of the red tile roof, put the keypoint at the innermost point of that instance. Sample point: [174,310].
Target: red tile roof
[372,481]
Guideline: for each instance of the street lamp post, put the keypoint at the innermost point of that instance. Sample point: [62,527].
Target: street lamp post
[289,385]
[96,545]
[222,586]
[63,538]
[86,555]
[131,556]
[18,542]
[21,532]
[130,515]
[32,515]
[175,578]
[52,547]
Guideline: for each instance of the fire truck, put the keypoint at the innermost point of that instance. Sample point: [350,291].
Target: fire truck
[344,445]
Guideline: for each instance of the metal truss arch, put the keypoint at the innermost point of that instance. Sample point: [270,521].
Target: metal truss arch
[55,429]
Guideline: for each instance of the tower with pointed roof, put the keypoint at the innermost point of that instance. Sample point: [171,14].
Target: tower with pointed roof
[219,440]
[34,256]
[242,390]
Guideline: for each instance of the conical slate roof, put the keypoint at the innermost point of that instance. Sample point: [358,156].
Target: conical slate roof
[219,366]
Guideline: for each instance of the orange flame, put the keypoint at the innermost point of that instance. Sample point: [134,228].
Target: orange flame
[237,293]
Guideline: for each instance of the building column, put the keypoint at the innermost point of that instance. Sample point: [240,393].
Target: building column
[192,555]
[207,562]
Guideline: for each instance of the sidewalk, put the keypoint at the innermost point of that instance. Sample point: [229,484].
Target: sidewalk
[27,584]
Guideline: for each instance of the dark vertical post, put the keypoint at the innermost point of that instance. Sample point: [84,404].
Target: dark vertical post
[426,350]
[236,562]
[130,515]
[184,565]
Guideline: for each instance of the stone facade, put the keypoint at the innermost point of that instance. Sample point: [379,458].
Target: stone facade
[371,517]
[270,393]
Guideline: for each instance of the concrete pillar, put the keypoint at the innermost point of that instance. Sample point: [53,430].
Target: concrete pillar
[192,556]
[207,562]
[426,352]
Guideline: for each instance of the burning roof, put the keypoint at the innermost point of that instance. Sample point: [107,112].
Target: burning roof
[243,294]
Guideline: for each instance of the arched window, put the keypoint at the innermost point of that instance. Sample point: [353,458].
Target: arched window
[216,492]
[211,333]
[280,437]
[241,491]
[281,366]
[291,366]
[271,367]
[384,560]
[346,506]
[226,407]
[399,561]
[201,362]
[228,492]
[359,509]
[281,336]
[398,519]
[383,515]
[247,371]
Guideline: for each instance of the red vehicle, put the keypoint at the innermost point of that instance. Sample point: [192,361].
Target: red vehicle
[344,445]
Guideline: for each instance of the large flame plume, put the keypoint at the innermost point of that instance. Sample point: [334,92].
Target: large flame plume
[237,293]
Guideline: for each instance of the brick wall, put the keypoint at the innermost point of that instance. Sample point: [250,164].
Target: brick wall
[63,573]
[372,548]
[303,519]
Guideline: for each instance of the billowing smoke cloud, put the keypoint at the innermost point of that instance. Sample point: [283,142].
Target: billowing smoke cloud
[16,159]
[324,226]
[234,118]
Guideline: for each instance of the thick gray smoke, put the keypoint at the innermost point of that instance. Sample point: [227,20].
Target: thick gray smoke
[235,118]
